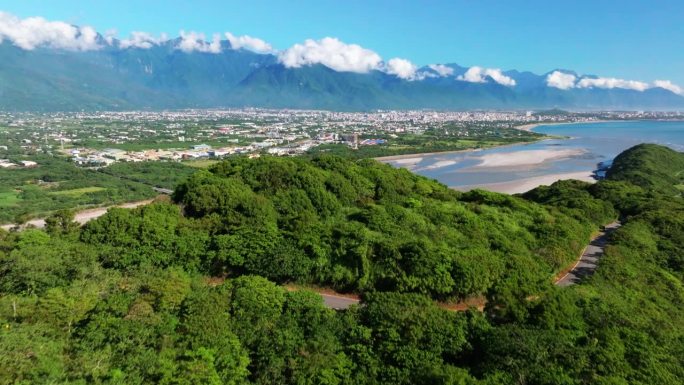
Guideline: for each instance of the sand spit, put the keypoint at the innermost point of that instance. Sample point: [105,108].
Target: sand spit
[527,158]
[527,184]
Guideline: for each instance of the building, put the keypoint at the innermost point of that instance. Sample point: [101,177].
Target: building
[5,163]
[201,147]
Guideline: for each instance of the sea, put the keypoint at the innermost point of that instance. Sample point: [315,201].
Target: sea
[584,148]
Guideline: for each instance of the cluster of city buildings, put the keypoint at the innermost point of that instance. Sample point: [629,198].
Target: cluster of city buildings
[101,138]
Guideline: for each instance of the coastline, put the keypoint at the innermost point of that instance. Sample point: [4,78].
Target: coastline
[391,158]
[520,186]
[531,126]
[525,127]
[508,187]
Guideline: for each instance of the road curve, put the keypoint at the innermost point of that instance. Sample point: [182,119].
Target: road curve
[588,262]
[338,302]
[83,216]
[585,266]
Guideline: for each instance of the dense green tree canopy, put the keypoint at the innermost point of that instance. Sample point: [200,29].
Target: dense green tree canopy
[189,293]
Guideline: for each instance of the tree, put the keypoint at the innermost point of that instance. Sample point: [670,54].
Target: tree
[61,223]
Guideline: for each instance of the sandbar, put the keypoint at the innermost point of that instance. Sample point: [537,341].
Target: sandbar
[526,158]
[527,184]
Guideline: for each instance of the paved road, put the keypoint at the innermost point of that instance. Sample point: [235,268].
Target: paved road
[338,302]
[83,216]
[588,262]
[585,266]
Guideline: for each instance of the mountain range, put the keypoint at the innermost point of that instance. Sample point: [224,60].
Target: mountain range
[165,77]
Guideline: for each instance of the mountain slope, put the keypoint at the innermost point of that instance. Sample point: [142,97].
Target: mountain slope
[163,76]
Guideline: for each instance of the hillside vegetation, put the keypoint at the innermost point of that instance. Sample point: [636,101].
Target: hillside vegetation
[355,226]
[185,293]
[650,166]
[58,184]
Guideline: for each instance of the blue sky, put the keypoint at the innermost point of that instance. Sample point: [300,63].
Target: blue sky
[641,40]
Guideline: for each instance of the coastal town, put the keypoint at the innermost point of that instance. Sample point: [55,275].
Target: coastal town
[103,138]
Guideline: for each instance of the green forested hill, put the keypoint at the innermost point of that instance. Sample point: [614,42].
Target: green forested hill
[354,226]
[650,166]
[184,293]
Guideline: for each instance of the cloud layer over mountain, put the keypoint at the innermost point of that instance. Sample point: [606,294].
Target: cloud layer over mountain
[561,80]
[480,75]
[34,32]
[332,53]
[249,43]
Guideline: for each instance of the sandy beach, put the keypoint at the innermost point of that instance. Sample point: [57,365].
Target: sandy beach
[417,157]
[402,160]
[527,184]
[532,126]
[526,158]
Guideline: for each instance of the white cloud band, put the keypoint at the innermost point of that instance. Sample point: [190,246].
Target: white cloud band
[668,85]
[249,43]
[561,80]
[193,41]
[479,75]
[609,83]
[34,32]
[566,81]
[442,70]
[401,68]
[331,53]
[142,40]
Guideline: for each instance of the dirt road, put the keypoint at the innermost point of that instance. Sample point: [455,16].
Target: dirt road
[82,216]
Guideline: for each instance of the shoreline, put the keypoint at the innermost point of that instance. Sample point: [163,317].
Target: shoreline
[531,126]
[525,127]
[523,185]
[391,158]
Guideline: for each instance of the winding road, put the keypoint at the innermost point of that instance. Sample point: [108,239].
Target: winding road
[338,302]
[585,266]
[588,262]
[83,216]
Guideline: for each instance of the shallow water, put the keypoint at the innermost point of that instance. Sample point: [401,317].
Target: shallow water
[589,144]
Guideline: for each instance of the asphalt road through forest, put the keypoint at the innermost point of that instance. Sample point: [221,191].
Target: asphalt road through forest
[585,266]
[588,262]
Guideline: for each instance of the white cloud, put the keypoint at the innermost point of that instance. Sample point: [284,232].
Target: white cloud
[401,68]
[194,41]
[142,40]
[565,81]
[612,83]
[442,70]
[332,53]
[343,57]
[35,32]
[249,43]
[479,75]
[561,80]
[110,35]
[668,85]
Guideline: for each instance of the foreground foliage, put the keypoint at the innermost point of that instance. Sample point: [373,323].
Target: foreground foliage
[126,300]
[355,226]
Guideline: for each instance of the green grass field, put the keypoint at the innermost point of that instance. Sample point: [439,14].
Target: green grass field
[77,192]
[9,198]
[205,163]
